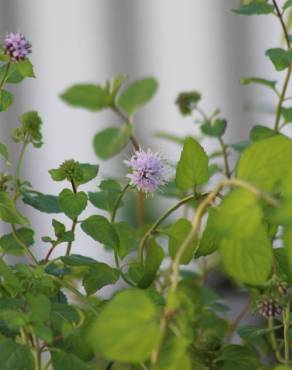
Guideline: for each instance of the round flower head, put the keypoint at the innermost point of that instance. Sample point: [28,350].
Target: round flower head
[16,46]
[148,171]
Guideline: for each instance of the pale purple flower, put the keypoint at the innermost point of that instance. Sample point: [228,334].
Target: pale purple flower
[16,46]
[148,171]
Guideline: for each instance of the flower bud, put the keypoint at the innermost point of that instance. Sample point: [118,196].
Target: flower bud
[16,46]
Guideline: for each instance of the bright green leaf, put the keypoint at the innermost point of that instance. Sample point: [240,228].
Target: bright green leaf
[8,211]
[101,230]
[10,245]
[72,204]
[92,97]
[25,68]
[6,99]
[4,153]
[127,237]
[192,167]
[137,94]
[130,315]
[111,141]
[259,132]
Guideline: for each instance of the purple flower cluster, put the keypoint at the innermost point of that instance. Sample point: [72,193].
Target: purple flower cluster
[16,46]
[148,171]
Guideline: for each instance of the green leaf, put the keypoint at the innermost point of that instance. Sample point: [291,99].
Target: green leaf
[98,276]
[131,312]
[248,259]
[107,197]
[127,238]
[240,146]
[111,141]
[25,68]
[287,115]
[137,94]
[62,360]
[177,233]
[9,245]
[239,215]
[40,307]
[43,202]
[192,167]
[72,204]
[281,58]
[8,211]
[14,356]
[173,355]
[13,77]
[209,242]
[238,357]
[260,81]
[11,282]
[153,261]
[78,260]
[92,97]
[214,129]
[62,315]
[4,153]
[6,99]
[259,132]
[265,162]
[101,230]
[287,4]
[254,8]
[89,172]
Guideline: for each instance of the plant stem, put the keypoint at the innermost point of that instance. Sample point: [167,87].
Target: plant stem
[158,222]
[239,317]
[24,246]
[225,158]
[118,201]
[8,65]
[74,223]
[200,212]
[128,121]
[274,342]
[286,319]
[20,160]
[288,75]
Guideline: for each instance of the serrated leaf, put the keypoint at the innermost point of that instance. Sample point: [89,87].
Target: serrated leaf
[14,356]
[254,8]
[98,276]
[9,212]
[72,204]
[6,99]
[127,238]
[192,168]
[209,241]
[10,245]
[89,172]
[281,58]
[101,230]
[107,197]
[265,162]
[43,202]
[259,132]
[214,129]
[78,260]
[111,141]
[88,96]
[137,94]
[25,68]
[62,360]
[131,312]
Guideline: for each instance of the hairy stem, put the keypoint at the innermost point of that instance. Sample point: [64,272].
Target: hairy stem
[8,65]
[225,158]
[158,222]
[288,74]
[23,245]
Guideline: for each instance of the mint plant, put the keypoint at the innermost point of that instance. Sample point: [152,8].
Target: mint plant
[161,313]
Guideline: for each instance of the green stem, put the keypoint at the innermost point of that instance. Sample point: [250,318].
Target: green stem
[273,341]
[225,158]
[288,74]
[74,223]
[158,222]
[286,319]
[117,204]
[129,122]
[8,65]
[20,160]
[24,246]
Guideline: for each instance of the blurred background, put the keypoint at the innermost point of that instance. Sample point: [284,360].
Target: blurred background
[185,44]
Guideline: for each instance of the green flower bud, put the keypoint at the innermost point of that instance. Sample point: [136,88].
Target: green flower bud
[4,179]
[187,102]
[29,130]
[71,170]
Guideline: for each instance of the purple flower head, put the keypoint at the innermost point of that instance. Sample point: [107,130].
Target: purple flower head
[148,171]
[16,46]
